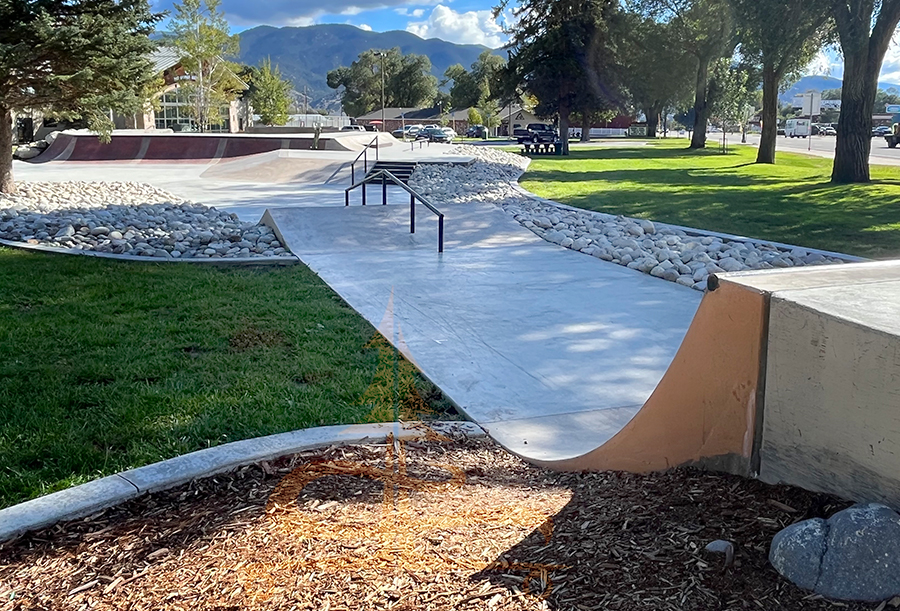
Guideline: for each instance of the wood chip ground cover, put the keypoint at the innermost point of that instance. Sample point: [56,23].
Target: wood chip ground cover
[429,524]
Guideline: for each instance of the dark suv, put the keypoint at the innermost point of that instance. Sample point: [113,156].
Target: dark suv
[536,132]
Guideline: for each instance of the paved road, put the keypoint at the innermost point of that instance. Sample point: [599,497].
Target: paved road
[822,146]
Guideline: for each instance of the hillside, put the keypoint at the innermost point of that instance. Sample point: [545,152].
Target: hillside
[819,83]
[306,54]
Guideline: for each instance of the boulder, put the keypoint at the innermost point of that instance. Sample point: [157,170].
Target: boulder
[854,555]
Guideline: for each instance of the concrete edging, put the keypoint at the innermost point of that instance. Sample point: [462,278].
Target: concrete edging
[94,496]
[697,232]
[237,261]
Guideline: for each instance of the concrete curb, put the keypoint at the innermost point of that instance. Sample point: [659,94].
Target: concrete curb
[89,498]
[237,261]
[697,232]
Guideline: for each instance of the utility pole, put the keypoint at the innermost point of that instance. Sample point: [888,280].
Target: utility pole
[382,55]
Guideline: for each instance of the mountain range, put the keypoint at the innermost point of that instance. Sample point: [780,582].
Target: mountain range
[820,83]
[306,54]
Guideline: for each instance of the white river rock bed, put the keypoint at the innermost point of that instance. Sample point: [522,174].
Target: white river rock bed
[128,218]
[657,249]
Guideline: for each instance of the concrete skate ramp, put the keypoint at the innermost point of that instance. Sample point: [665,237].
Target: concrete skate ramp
[703,411]
[202,148]
[279,167]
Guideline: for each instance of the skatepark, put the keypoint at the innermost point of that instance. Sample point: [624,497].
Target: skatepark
[568,361]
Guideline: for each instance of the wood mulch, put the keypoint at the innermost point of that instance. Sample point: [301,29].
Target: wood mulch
[430,524]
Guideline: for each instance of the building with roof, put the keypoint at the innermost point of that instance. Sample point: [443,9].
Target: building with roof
[170,109]
[458,119]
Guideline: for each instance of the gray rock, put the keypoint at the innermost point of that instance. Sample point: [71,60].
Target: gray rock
[797,550]
[555,236]
[855,555]
[862,557]
[115,235]
[66,231]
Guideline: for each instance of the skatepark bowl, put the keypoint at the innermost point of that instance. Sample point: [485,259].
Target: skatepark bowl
[571,362]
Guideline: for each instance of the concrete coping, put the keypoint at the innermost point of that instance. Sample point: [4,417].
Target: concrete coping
[94,496]
[236,261]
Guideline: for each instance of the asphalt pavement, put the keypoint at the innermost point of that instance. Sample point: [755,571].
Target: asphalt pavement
[819,146]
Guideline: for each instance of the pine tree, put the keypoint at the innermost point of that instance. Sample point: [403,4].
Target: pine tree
[74,59]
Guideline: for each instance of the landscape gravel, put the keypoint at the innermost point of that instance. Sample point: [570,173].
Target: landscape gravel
[129,218]
[661,250]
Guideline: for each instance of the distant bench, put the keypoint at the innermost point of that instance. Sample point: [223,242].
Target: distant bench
[540,148]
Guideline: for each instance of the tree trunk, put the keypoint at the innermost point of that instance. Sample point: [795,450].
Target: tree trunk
[652,113]
[854,140]
[7,184]
[585,126]
[701,107]
[564,126]
[766,153]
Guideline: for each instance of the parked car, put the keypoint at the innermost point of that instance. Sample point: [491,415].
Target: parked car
[829,131]
[536,132]
[881,131]
[353,128]
[476,131]
[434,134]
[451,132]
[409,131]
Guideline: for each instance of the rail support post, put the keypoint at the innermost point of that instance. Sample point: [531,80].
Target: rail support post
[412,213]
[383,189]
[441,233]
[365,188]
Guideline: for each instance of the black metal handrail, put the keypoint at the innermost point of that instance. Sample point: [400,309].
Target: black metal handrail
[365,155]
[384,176]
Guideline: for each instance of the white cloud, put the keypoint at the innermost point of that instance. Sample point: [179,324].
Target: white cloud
[471,27]
[365,26]
[417,13]
[291,12]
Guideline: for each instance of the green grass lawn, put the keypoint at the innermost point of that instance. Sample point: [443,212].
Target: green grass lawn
[109,365]
[792,201]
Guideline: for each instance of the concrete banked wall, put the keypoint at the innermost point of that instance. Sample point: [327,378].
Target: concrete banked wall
[792,376]
[831,417]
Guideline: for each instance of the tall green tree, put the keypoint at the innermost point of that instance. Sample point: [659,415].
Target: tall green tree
[270,94]
[706,31]
[203,38]
[733,90]
[865,28]
[658,73]
[781,47]
[480,83]
[408,82]
[562,53]
[74,59]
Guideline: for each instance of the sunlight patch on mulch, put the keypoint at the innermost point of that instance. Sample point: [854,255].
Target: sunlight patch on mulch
[429,524]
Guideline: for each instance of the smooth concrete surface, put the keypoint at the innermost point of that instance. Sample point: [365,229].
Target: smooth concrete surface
[282,186]
[550,350]
[832,422]
[100,494]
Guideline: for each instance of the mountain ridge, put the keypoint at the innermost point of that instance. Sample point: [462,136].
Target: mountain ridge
[306,54]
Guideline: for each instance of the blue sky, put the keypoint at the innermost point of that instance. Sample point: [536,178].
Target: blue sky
[459,21]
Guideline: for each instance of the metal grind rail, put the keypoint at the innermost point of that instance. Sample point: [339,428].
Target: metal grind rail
[385,177]
[365,157]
